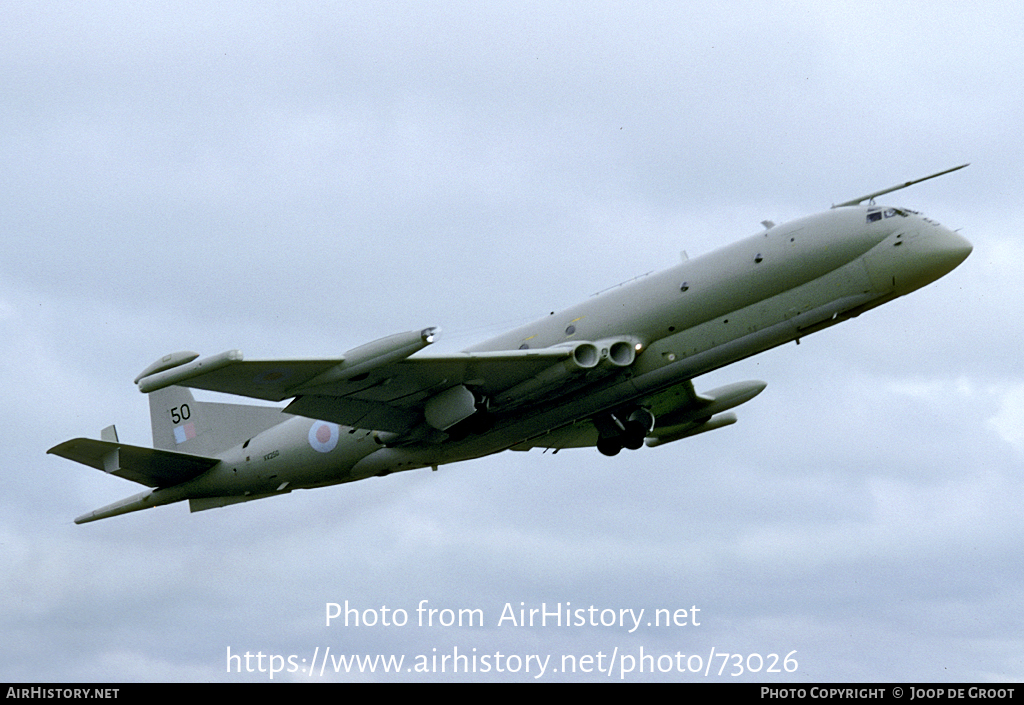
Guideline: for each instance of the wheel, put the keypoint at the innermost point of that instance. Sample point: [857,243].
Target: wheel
[633,439]
[609,446]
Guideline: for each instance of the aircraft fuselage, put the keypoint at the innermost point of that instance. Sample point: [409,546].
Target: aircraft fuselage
[710,311]
[705,313]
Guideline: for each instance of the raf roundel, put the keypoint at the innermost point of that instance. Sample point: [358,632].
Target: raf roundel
[323,436]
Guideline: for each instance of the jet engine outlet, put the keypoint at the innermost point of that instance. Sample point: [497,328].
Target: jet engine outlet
[586,356]
[617,352]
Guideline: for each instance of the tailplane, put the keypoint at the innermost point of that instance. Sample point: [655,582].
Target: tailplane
[188,437]
[148,466]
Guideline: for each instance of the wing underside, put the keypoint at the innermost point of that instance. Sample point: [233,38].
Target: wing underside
[427,398]
[394,397]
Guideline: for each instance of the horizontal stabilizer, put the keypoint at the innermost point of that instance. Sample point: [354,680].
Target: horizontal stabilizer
[124,506]
[147,466]
[201,504]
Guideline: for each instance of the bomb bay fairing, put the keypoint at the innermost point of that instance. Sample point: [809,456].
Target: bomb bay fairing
[613,372]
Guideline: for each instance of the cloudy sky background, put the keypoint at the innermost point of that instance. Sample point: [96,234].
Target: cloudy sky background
[295,179]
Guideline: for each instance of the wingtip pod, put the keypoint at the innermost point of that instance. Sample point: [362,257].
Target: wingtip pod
[179,369]
[168,362]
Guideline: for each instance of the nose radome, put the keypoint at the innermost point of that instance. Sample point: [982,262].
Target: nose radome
[957,246]
[904,264]
[940,252]
[948,249]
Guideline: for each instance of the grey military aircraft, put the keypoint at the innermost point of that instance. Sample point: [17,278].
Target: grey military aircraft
[613,372]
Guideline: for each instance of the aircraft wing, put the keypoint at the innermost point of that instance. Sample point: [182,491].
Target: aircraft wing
[396,397]
[389,395]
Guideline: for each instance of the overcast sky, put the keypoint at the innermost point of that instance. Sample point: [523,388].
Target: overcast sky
[295,179]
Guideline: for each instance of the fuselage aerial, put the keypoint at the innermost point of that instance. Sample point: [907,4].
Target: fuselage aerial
[614,371]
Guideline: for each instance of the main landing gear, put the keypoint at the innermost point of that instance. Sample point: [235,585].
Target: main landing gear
[616,433]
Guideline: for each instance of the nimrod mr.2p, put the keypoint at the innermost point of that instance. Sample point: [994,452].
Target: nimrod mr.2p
[613,372]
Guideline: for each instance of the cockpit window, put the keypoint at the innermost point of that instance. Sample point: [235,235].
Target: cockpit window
[876,214]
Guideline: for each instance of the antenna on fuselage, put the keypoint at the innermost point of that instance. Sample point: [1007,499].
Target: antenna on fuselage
[871,196]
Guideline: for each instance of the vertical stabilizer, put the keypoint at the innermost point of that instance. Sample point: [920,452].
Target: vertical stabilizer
[182,424]
[178,422]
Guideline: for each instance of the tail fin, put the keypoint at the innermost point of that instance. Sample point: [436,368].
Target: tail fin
[182,424]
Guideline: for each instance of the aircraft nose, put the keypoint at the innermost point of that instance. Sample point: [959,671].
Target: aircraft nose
[952,248]
[937,252]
